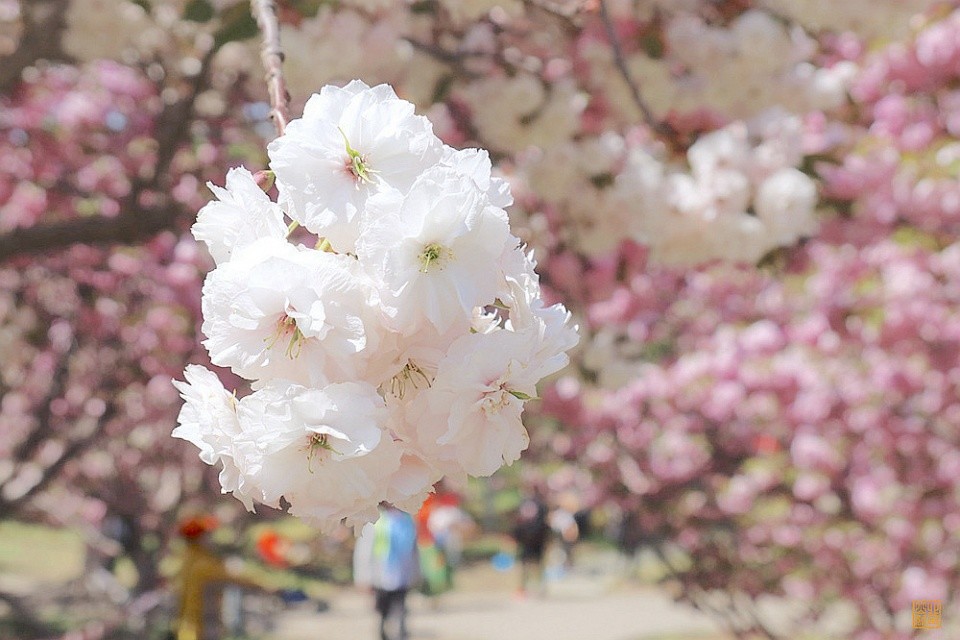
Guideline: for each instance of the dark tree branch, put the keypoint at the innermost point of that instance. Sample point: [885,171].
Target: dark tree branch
[450,58]
[727,615]
[128,228]
[173,125]
[659,127]
[265,11]
[43,22]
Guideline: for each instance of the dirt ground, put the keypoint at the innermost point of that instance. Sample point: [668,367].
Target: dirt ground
[582,605]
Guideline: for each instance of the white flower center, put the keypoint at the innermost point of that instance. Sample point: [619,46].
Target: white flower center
[434,255]
[316,443]
[494,401]
[286,329]
[356,163]
[499,394]
[411,373]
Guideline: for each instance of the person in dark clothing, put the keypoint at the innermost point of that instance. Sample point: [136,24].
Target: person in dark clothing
[531,534]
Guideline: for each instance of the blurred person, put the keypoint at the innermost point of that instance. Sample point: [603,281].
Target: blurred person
[386,560]
[450,525]
[273,549]
[563,522]
[442,522]
[435,571]
[203,574]
[119,530]
[278,552]
[531,533]
[104,550]
[630,538]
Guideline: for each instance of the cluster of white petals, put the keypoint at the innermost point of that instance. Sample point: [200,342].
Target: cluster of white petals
[737,195]
[742,196]
[398,349]
[738,69]
[866,18]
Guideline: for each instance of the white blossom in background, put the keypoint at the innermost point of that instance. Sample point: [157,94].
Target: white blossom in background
[518,112]
[88,20]
[400,348]
[466,11]
[738,195]
[342,42]
[754,63]
[866,18]
[742,197]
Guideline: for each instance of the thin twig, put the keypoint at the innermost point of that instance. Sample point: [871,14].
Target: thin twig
[453,59]
[265,11]
[658,126]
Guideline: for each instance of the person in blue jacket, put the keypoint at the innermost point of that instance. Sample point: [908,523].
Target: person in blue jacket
[385,559]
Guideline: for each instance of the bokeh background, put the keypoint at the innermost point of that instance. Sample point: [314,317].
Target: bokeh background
[752,208]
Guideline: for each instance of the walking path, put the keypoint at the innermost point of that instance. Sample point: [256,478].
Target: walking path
[577,607]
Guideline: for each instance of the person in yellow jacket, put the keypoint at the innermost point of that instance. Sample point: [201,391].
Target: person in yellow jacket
[202,576]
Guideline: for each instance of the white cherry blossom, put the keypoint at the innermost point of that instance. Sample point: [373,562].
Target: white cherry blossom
[300,314]
[469,418]
[241,215]
[432,252]
[351,143]
[209,420]
[402,354]
[475,164]
[323,450]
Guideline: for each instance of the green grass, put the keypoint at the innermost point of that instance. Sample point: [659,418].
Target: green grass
[40,553]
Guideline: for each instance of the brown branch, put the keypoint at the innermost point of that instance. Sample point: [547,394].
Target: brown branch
[442,55]
[128,228]
[658,126]
[697,596]
[265,11]
[43,22]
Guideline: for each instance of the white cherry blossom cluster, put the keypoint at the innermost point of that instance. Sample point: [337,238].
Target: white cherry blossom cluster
[753,63]
[398,349]
[867,19]
[736,196]
[742,196]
